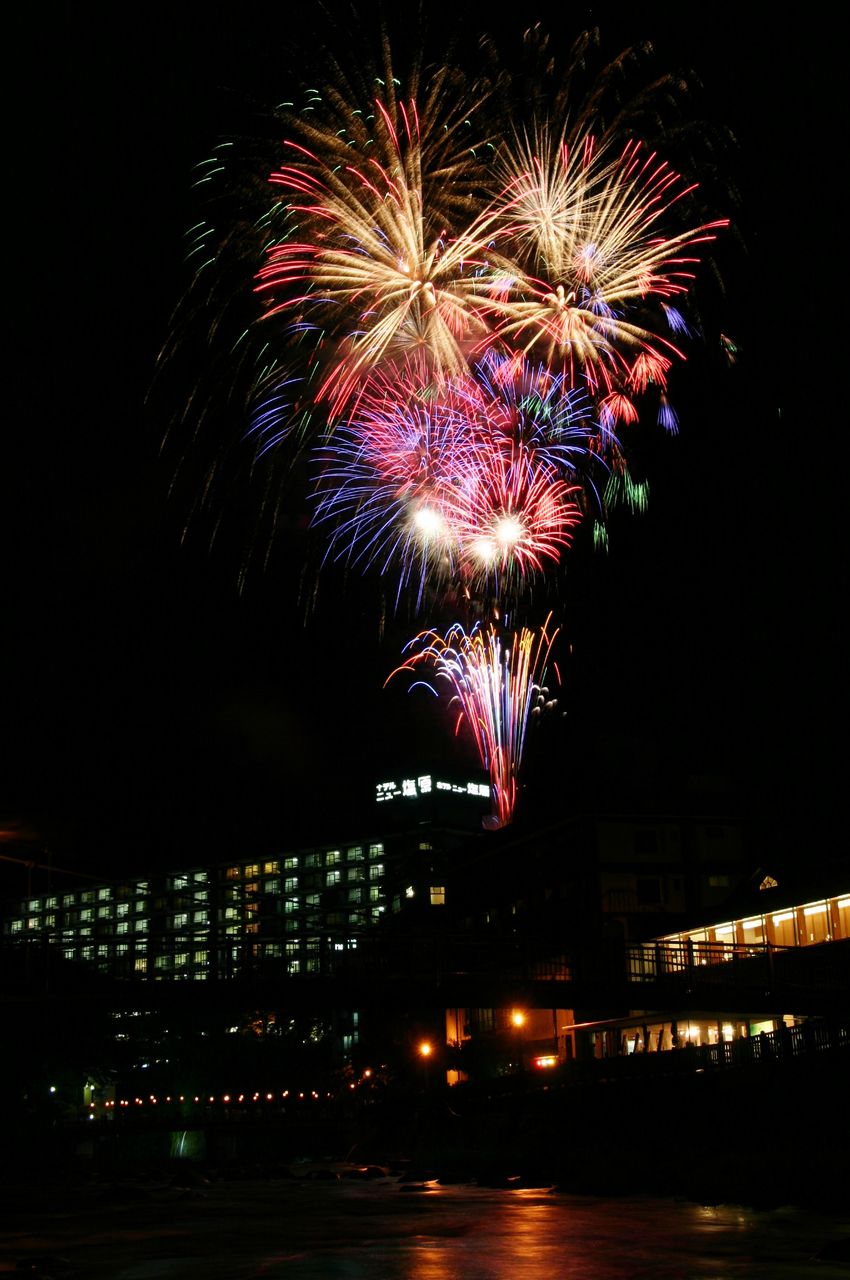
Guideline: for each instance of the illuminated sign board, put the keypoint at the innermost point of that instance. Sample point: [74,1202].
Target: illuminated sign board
[425,784]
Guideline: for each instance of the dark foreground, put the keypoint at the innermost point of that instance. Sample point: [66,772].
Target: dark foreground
[320,1224]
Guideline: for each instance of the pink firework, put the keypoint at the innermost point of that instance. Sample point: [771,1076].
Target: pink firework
[495,684]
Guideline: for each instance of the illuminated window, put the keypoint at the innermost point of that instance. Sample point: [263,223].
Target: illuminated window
[87,914]
[438,895]
[141,926]
[313,860]
[375,893]
[201,877]
[140,964]
[333,877]
[231,913]
[178,882]
[181,958]
[290,885]
[16,926]
[50,922]
[68,899]
[425,845]
[290,905]
[271,886]
[200,917]
[123,926]
[232,873]
[252,869]
[87,895]
[290,863]
[354,855]
[271,868]
[376,850]
[104,895]
[355,895]
[293,967]
[104,913]
[312,900]
[376,871]
[122,909]
[180,920]
[332,857]
[51,904]
[769,883]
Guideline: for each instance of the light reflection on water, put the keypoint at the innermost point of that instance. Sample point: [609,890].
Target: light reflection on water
[288,1230]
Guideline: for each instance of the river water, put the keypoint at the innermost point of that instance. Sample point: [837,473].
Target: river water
[288,1229]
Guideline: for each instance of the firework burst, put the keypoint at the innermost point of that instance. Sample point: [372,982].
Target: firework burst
[495,685]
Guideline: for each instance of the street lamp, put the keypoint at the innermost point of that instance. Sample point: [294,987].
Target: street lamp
[518,1022]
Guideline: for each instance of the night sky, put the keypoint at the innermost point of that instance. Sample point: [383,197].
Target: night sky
[156,712]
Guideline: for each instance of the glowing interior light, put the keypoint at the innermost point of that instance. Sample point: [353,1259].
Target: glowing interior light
[425,1049]
[783,916]
[814,911]
[752,924]
[518,1018]
[725,931]
[509,531]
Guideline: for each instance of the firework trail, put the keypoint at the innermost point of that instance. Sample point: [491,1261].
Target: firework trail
[496,685]
[468,296]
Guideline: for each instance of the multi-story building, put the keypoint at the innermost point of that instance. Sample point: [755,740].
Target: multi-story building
[288,913]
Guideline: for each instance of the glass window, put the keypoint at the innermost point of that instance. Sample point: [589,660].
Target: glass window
[816,918]
[290,905]
[180,920]
[252,869]
[87,914]
[376,871]
[271,868]
[332,857]
[290,884]
[843,907]
[354,855]
[376,850]
[333,877]
[105,894]
[140,964]
[290,863]
[200,917]
[122,909]
[438,895]
[785,928]
[272,886]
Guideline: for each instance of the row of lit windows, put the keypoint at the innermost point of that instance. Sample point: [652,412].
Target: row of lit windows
[197,881]
[824,921]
